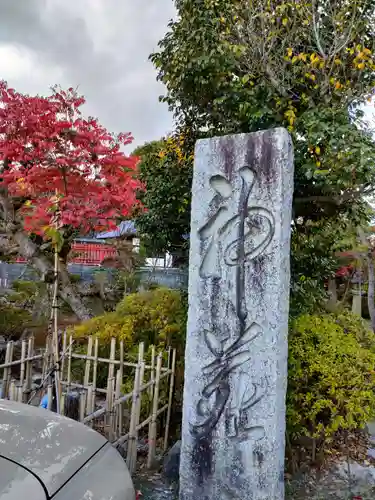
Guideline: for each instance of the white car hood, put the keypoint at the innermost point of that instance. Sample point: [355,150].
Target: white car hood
[51,446]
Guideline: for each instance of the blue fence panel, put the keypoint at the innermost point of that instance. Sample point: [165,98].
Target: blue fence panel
[168,277]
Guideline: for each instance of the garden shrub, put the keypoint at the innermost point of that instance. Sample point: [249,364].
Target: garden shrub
[75,278]
[29,288]
[331,376]
[23,293]
[13,321]
[32,296]
[156,317]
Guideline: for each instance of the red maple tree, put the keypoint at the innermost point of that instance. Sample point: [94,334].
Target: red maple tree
[49,152]
[58,169]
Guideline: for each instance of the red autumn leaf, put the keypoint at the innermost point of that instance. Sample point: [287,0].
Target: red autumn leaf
[47,147]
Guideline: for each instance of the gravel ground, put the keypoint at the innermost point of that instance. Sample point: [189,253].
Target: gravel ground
[331,484]
[153,487]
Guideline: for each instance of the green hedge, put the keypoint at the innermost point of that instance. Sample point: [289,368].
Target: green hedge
[156,317]
[331,376]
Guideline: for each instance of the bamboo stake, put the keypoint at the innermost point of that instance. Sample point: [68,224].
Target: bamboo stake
[132,429]
[19,389]
[86,380]
[109,413]
[152,371]
[121,359]
[55,333]
[89,408]
[69,377]
[9,373]
[108,395]
[151,388]
[64,349]
[29,365]
[171,386]
[50,395]
[139,399]
[120,412]
[82,405]
[139,407]
[95,372]
[116,409]
[141,352]
[56,353]
[4,387]
[141,362]
[23,366]
[152,436]
[111,369]
[62,403]
[12,390]
[45,358]
[169,357]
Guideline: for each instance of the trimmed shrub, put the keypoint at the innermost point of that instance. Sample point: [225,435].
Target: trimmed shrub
[156,317]
[331,376]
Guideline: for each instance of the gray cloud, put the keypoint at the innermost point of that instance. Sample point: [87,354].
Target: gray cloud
[100,45]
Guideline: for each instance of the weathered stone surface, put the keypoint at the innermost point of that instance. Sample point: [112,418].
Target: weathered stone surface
[236,354]
[171,463]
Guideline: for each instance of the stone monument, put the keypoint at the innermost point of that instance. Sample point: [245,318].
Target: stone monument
[236,353]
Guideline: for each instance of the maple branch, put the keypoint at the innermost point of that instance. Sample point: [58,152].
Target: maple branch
[57,153]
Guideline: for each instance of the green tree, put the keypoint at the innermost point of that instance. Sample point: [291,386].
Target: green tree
[235,66]
[165,171]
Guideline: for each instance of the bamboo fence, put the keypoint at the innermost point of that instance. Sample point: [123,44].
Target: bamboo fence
[123,417]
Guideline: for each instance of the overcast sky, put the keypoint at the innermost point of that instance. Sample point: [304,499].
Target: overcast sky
[102,46]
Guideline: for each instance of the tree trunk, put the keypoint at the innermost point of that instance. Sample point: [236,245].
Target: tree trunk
[14,233]
[67,291]
[371,289]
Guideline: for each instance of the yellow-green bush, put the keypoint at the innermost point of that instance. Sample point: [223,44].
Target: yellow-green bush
[156,317]
[331,376]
